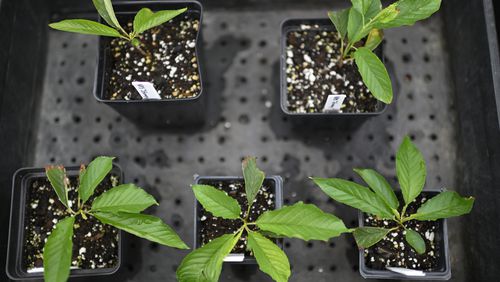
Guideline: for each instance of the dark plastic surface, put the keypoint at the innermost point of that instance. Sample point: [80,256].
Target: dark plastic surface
[153,113]
[278,191]
[20,185]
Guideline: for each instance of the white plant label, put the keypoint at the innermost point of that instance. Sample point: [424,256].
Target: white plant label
[146,90]
[333,103]
[234,258]
[406,271]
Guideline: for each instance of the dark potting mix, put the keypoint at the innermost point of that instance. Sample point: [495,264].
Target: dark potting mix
[212,227]
[166,58]
[314,71]
[95,245]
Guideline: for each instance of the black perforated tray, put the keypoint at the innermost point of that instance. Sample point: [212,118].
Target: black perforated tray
[446,102]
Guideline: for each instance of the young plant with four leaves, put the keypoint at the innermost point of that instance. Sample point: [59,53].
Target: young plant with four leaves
[302,221]
[381,201]
[145,19]
[120,207]
[360,29]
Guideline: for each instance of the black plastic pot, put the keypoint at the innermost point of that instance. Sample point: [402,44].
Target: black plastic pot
[152,113]
[442,272]
[275,181]
[328,119]
[20,183]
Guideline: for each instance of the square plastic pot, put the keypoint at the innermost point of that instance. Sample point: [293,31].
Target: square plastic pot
[20,185]
[443,270]
[276,182]
[152,113]
[323,119]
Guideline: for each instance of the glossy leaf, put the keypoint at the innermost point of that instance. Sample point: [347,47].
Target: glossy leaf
[380,186]
[446,204]
[339,20]
[363,6]
[146,19]
[106,11]
[145,226]
[411,11]
[58,180]
[205,264]
[373,9]
[302,221]
[93,175]
[217,202]
[374,74]
[386,15]
[270,258]
[415,241]
[354,195]
[354,26]
[85,27]
[124,198]
[58,250]
[368,236]
[410,169]
[374,39]
[254,178]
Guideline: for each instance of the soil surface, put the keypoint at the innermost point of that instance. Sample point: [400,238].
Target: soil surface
[213,227]
[169,62]
[313,72]
[394,251]
[95,245]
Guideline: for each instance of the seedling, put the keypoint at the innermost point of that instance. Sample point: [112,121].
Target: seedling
[120,207]
[381,201]
[360,29]
[302,221]
[145,19]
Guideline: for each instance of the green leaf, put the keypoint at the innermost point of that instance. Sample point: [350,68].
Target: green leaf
[373,9]
[217,202]
[254,178]
[58,180]
[146,19]
[410,168]
[386,15]
[205,264]
[367,8]
[354,195]
[415,241]
[124,198]
[93,175]
[303,221]
[145,226]
[368,236]
[374,39]
[411,11]
[446,204]
[374,74]
[105,10]
[270,258]
[85,27]
[339,20]
[380,186]
[354,26]
[58,250]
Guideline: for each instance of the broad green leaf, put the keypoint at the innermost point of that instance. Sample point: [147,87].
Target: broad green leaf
[386,15]
[93,175]
[354,26]
[374,74]
[446,204]
[415,241]
[354,195]
[410,168]
[303,221]
[205,264]
[339,20]
[374,39]
[270,258]
[146,19]
[373,9]
[367,8]
[142,225]
[217,202]
[124,198]
[411,11]
[85,27]
[58,250]
[58,180]
[254,178]
[368,236]
[380,186]
[105,10]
